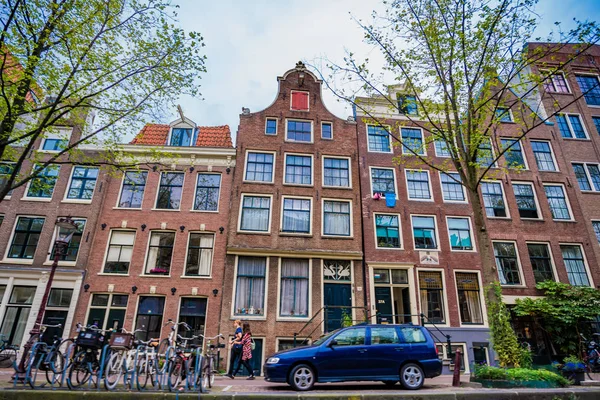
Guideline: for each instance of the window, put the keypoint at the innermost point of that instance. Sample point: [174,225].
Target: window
[120,250]
[587,173]
[287,344]
[399,276]
[452,188]
[83,182]
[296,215]
[271,126]
[441,148]
[299,131]
[57,311]
[595,225]
[250,286]
[326,130]
[514,155]
[459,231]
[383,180]
[70,254]
[469,300]
[6,170]
[424,232]
[351,337]
[503,114]
[387,231]
[493,199]
[181,137]
[555,83]
[336,218]
[557,201]
[543,156]
[485,154]
[26,237]
[1,219]
[337,271]
[192,311]
[300,101]
[259,167]
[208,188]
[412,335]
[507,263]
[384,335]
[17,314]
[418,185]
[42,186]
[170,190]
[378,139]
[298,169]
[590,89]
[597,124]
[526,202]
[575,265]
[570,126]
[107,311]
[200,254]
[407,105]
[149,317]
[431,295]
[256,213]
[412,141]
[336,172]
[541,262]
[60,297]
[132,192]
[294,288]
[57,139]
[160,253]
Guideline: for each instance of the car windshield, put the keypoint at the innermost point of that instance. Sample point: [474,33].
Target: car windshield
[325,337]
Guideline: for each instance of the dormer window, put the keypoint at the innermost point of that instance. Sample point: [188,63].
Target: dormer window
[181,137]
[299,101]
[56,139]
[407,105]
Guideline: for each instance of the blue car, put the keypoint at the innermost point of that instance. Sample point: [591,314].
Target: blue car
[387,353]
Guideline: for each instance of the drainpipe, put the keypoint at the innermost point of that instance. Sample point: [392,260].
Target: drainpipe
[362,225]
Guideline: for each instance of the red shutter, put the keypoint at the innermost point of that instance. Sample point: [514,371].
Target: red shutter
[300,101]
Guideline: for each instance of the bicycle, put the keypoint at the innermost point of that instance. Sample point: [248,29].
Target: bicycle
[121,360]
[209,361]
[146,363]
[166,349]
[8,352]
[85,363]
[183,367]
[46,357]
[591,355]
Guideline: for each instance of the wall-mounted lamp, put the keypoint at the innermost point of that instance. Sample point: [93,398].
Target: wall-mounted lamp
[182,228]
[215,292]
[228,170]
[134,289]
[221,229]
[86,287]
[173,290]
[191,169]
[103,226]
[143,226]
[301,79]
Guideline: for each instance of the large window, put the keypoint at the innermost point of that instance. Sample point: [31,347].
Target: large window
[336,218]
[514,154]
[193,313]
[588,176]
[459,231]
[250,286]
[507,263]
[26,237]
[294,288]
[57,139]
[485,154]
[469,300]
[407,105]
[107,311]
[543,156]
[132,192]
[412,141]
[207,192]
[255,213]
[452,188]
[296,215]
[6,170]
[83,182]
[575,265]
[149,317]
[120,250]
[424,232]
[259,167]
[596,121]
[383,180]
[441,148]
[525,197]
[557,200]
[432,299]
[298,169]
[590,88]
[170,191]
[17,314]
[299,131]
[541,262]
[570,126]
[555,83]
[493,199]
[336,172]
[160,253]
[200,254]
[387,231]
[70,254]
[181,137]
[378,139]
[42,186]
[418,185]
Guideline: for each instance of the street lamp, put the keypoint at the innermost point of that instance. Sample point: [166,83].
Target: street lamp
[66,229]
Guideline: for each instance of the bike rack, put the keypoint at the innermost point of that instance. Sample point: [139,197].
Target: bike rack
[103,361]
[68,358]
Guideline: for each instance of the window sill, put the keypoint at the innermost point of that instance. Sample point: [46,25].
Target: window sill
[298,185]
[305,235]
[564,220]
[422,249]
[111,274]
[414,155]
[7,198]
[593,105]
[258,182]
[298,141]
[514,286]
[253,232]
[422,200]
[380,152]
[38,199]
[20,261]
[463,251]
[62,263]
[337,237]
[500,218]
[127,208]
[292,319]
[389,248]
[587,139]
[553,92]
[49,151]
[165,209]
[248,317]
[590,192]
[337,187]
[554,172]
[195,277]
[154,276]
[76,201]
[205,211]
[532,219]
[481,326]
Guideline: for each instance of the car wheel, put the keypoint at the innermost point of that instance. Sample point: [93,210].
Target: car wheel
[302,378]
[390,383]
[411,376]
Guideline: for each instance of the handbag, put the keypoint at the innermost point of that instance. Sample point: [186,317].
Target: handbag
[253,344]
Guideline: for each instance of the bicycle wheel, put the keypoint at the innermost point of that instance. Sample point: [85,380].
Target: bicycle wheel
[7,357]
[113,370]
[79,373]
[35,370]
[208,377]
[142,375]
[176,372]
[55,367]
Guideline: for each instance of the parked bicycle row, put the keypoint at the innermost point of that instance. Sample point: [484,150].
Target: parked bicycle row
[89,362]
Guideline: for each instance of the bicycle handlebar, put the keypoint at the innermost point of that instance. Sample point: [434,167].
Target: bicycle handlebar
[131,333]
[185,325]
[49,326]
[188,338]
[214,337]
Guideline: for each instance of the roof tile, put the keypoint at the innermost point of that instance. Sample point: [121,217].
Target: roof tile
[208,136]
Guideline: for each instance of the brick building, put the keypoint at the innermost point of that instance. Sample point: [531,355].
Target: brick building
[294,241]
[159,248]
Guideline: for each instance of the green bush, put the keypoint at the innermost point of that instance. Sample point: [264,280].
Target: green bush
[519,374]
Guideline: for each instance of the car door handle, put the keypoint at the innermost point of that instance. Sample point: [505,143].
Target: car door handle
[362,350]
[399,348]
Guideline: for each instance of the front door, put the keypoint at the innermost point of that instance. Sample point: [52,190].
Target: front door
[383,304]
[338,295]
[54,317]
[256,361]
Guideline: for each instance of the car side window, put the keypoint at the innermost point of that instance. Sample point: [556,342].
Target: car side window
[413,335]
[351,337]
[384,335]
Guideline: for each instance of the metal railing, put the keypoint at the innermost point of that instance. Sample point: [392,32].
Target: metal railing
[346,316]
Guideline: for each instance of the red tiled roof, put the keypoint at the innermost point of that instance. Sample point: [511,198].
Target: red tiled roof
[208,136]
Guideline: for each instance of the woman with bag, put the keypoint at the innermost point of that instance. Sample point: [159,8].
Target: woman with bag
[236,348]
[247,346]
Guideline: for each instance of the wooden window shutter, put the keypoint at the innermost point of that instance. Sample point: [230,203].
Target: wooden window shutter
[300,101]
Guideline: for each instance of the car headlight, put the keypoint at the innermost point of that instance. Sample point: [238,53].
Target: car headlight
[273,360]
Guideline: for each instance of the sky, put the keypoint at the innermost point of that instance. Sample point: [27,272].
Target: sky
[250,43]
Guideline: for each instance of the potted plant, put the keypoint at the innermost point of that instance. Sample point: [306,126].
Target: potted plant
[572,368]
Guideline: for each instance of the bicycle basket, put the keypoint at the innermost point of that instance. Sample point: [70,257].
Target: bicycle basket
[121,340]
[90,339]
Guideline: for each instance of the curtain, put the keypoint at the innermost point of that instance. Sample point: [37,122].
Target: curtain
[206,251]
[255,215]
[294,287]
[296,221]
[337,219]
[152,253]
[424,302]
[250,287]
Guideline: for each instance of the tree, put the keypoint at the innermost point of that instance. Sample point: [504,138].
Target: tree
[104,65]
[462,64]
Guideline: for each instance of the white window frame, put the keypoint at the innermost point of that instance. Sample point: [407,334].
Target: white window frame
[522,283]
[324,123]
[8,196]
[312,130]
[62,131]
[196,189]
[388,129]
[42,199]
[550,74]
[50,259]
[312,169]
[291,338]
[435,147]
[311,214]
[80,201]
[116,207]
[310,290]
[572,219]
[276,125]
[431,198]
[465,201]
[104,260]
[471,233]
[239,224]
[535,198]
[597,221]
[586,73]
[323,157]
[437,232]
[400,238]
[481,298]
[556,166]
[323,235]
[512,120]
[506,207]
[154,208]
[585,261]
[525,162]
[248,151]
[587,175]
[147,254]
[495,163]
[585,131]
[371,167]
[22,261]
[182,124]
[263,317]
[552,262]
[308,103]
[108,307]
[444,293]
[187,251]
[424,144]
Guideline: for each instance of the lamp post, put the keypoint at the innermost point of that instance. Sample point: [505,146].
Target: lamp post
[66,229]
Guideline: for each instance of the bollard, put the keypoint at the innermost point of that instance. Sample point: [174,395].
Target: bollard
[457,362]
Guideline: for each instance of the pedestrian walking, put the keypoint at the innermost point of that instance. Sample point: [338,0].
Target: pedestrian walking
[236,348]
[246,343]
